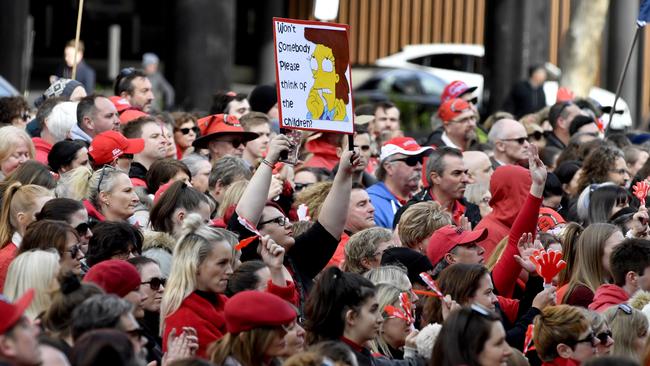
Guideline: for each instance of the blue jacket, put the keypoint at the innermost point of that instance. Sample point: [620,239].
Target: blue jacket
[385,203]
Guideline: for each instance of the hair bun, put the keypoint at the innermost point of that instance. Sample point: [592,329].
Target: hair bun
[192,223]
[69,283]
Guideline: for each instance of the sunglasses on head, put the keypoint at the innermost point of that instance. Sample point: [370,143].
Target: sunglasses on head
[411,160]
[185,131]
[155,283]
[535,136]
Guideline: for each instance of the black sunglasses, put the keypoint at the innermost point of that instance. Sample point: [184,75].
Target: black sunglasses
[473,101]
[185,131]
[363,147]
[126,71]
[535,136]
[74,250]
[300,186]
[155,283]
[590,338]
[411,160]
[519,140]
[82,229]
[604,336]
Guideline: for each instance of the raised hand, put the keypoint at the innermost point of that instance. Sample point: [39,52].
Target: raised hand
[272,254]
[527,247]
[536,166]
[277,145]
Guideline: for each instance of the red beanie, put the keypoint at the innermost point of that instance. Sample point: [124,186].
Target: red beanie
[114,276]
[243,313]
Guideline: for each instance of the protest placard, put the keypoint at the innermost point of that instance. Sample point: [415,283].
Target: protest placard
[312,63]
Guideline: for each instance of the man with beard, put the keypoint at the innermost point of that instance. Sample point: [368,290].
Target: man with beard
[447,177]
[399,175]
[510,142]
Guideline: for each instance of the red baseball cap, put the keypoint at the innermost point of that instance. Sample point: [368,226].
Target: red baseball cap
[548,219]
[220,125]
[447,237]
[453,108]
[131,114]
[454,90]
[11,313]
[120,103]
[402,145]
[109,145]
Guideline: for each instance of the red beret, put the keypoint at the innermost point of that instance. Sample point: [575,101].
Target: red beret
[255,309]
[114,276]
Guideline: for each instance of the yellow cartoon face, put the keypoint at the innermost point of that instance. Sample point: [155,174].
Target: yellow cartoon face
[322,67]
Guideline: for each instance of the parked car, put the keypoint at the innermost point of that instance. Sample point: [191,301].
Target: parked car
[464,62]
[402,86]
[449,62]
[6,89]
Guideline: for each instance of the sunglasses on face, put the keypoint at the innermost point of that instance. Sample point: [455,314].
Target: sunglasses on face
[82,229]
[536,136]
[74,250]
[590,338]
[136,333]
[155,283]
[603,337]
[235,143]
[411,160]
[300,186]
[473,101]
[363,147]
[519,140]
[185,131]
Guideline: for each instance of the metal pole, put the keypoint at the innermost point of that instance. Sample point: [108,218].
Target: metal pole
[622,78]
[76,40]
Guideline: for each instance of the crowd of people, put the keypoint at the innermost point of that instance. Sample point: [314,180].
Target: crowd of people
[133,236]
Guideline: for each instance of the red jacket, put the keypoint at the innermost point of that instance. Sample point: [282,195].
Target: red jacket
[43,148]
[207,318]
[509,186]
[7,254]
[506,270]
[509,307]
[607,296]
[324,155]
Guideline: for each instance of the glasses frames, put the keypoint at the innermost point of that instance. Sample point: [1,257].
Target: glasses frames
[281,220]
[155,283]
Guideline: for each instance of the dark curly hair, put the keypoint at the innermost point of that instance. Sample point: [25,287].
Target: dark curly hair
[597,166]
[12,107]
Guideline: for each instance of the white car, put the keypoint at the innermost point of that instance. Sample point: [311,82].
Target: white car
[447,61]
[464,62]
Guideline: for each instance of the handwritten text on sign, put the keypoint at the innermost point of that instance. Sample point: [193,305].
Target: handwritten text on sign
[313,75]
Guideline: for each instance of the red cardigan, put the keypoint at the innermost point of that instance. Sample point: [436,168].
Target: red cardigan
[207,318]
[506,271]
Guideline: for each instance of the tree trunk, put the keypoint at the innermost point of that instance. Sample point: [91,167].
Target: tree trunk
[579,61]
